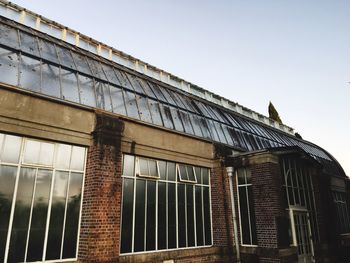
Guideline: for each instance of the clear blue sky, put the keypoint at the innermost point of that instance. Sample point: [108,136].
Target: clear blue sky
[294,53]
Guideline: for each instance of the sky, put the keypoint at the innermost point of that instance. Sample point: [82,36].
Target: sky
[294,53]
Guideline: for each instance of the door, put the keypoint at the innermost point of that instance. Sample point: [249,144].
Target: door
[302,235]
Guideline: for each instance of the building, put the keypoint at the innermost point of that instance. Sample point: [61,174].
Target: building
[104,158]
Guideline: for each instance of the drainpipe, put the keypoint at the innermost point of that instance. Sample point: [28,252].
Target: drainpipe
[230,171]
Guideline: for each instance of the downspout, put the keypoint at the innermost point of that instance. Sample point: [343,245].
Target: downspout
[230,171]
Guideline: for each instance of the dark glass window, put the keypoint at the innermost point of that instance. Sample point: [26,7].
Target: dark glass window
[342,212]
[161,212]
[246,207]
[47,200]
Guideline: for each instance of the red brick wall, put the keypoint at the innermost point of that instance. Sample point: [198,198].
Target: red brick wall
[99,234]
[221,206]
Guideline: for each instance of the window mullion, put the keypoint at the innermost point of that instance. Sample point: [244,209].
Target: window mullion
[14,197]
[30,215]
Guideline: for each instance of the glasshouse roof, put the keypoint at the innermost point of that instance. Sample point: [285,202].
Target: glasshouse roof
[43,64]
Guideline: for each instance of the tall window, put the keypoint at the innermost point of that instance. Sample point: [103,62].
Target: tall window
[299,191]
[246,207]
[166,205]
[342,212]
[40,199]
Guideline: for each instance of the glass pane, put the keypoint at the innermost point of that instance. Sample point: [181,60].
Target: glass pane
[65,57]
[181,215]
[81,63]
[129,164]
[48,51]
[103,96]
[151,216]
[243,208]
[190,216]
[46,153]
[30,73]
[162,216]
[171,171]
[155,111]
[241,176]
[8,36]
[108,70]
[12,148]
[31,152]
[96,69]
[205,176]
[186,122]
[135,84]
[252,215]
[139,234]
[130,102]
[78,158]
[21,215]
[124,82]
[29,44]
[197,171]
[153,168]
[72,217]
[207,217]
[196,124]
[205,128]
[183,173]
[166,116]
[177,120]
[51,80]
[118,100]
[63,156]
[7,185]
[69,86]
[199,216]
[156,90]
[58,204]
[190,173]
[171,215]
[162,169]
[143,166]
[146,88]
[8,67]
[87,93]
[39,215]
[144,112]
[128,196]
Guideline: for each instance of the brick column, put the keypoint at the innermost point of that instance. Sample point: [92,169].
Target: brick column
[271,215]
[100,224]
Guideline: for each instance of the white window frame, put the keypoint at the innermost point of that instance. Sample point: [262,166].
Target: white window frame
[21,164]
[136,176]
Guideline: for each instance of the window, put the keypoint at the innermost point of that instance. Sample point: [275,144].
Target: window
[299,192]
[246,207]
[160,210]
[40,199]
[342,212]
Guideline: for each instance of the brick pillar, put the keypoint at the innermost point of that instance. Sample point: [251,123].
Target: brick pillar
[100,223]
[221,207]
[270,211]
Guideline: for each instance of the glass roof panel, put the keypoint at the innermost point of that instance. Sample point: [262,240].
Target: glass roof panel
[9,67]
[109,72]
[87,91]
[186,122]
[131,106]
[9,36]
[81,63]
[196,124]
[166,116]
[177,119]
[117,97]
[30,74]
[155,111]
[156,90]
[50,80]
[65,57]
[69,85]
[136,85]
[29,44]
[144,112]
[48,51]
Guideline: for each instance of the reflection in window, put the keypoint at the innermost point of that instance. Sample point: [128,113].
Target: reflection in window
[161,212]
[30,74]
[8,67]
[246,207]
[47,180]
